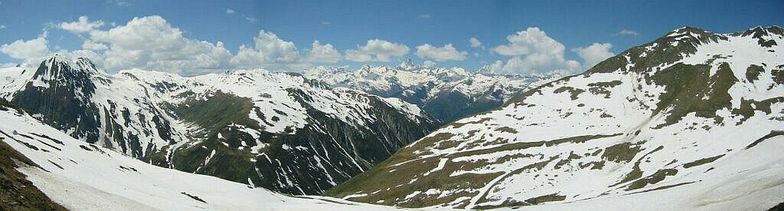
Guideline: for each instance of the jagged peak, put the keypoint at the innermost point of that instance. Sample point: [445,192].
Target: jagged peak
[56,59]
[59,70]
[760,31]
[406,65]
[85,63]
[58,62]
[690,31]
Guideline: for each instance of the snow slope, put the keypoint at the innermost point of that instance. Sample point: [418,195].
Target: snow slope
[82,176]
[280,131]
[692,120]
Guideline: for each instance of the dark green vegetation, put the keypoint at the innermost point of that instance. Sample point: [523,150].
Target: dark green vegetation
[702,161]
[218,111]
[691,89]
[623,152]
[652,179]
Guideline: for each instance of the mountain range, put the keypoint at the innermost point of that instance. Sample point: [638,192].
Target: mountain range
[279,131]
[446,94]
[691,120]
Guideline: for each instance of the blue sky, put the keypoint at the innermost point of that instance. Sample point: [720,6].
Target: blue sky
[347,25]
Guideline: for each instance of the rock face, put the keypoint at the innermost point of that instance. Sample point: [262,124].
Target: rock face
[274,130]
[694,117]
[445,94]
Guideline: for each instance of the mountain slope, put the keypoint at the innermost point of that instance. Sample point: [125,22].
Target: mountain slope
[446,94]
[83,176]
[16,192]
[694,117]
[274,130]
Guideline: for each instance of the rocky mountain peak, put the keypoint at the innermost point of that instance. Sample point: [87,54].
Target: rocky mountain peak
[59,68]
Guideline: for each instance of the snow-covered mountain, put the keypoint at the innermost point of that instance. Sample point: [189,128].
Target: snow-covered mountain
[280,131]
[692,120]
[82,176]
[445,93]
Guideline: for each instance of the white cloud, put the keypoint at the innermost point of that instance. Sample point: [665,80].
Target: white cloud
[627,32]
[532,51]
[377,50]
[323,53]
[445,53]
[268,49]
[151,43]
[31,51]
[325,23]
[424,16]
[94,46]
[229,11]
[81,26]
[3,27]
[475,43]
[594,53]
[531,41]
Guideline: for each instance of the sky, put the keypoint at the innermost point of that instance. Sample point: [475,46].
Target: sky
[197,37]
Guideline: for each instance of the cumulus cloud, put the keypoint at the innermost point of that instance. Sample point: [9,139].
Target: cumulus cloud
[377,50]
[151,43]
[2,27]
[94,46]
[445,53]
[31,51]
[229,11]
[594,53]
[475,43]
[323,53]
[627,32]
[81,26]
[268,49]
[532,51]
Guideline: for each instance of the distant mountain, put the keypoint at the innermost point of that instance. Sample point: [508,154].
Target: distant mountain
[280,131]
[445,93]
[692,120]
[46,169]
